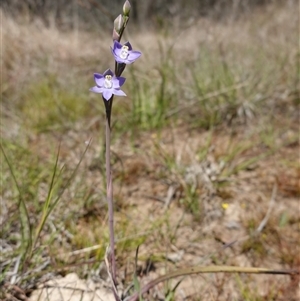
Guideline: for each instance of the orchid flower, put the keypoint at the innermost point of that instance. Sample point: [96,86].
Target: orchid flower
[108,84]
[124,53]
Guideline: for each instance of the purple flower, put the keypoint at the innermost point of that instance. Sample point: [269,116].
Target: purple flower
[108,84]
[124,53]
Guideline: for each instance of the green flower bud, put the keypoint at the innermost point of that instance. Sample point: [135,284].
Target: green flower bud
[126,8]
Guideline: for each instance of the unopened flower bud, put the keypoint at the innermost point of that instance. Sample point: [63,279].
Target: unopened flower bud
[118,23]
[115,35]
[126,8]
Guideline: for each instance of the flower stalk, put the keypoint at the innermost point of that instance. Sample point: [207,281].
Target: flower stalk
[109,84]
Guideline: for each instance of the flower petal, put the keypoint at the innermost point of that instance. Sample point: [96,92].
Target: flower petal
[117,53]
[128,45]
[107,94]
[133,55]
[96,89]
[108,72]
[100,82]
[119,92]
[118,82]
[117,45]
[116,49]
[99,79]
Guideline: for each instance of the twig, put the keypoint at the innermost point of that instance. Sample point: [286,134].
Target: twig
[271,205]
[171,191]
[16,268]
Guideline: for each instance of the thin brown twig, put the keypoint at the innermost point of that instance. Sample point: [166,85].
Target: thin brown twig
[271,205]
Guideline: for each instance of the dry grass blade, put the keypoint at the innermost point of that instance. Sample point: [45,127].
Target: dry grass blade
[208,269]
[267,216]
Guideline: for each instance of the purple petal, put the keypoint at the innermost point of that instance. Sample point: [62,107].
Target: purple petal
[99,79]
[119,92]
[117,45]
[116,48]
[116,53]
[96,89]
[107,94]
[118,82]
[128,45]
[133,55]
[108,72]
[98,75]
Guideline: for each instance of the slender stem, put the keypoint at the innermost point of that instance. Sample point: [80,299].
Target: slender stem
[109,187]
[126,19]
[109,191]
[110,199]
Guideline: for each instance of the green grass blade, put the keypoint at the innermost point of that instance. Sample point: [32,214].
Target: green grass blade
[24,215]
[47,204]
